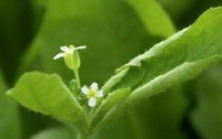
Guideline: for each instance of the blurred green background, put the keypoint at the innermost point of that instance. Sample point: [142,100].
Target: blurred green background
[31,32]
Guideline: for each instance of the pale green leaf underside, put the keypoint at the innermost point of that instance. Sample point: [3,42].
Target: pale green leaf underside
[177,59]
[48,95]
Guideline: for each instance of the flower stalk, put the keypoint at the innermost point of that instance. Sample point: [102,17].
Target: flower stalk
[76,74]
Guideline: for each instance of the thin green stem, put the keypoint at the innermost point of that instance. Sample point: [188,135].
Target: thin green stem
[76,73]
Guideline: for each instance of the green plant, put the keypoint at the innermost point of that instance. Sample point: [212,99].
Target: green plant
[179,58]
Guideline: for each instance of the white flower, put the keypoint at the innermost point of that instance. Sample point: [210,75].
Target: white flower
[93,93]
[71,56]
[67,50]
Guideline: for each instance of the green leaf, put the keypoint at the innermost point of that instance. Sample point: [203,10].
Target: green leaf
[121,78]
[180,58]
[177,75]
[10,127]
[148,11]
[48,95]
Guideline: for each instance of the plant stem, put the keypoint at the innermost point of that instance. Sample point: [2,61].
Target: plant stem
[76,73]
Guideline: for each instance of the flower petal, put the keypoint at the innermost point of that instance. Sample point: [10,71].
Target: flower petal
[81,47]
[94,86]
[85,90]
[65,48]
[92,102]
[100,93]
[58,56]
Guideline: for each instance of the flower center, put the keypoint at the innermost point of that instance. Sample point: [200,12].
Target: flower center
[92,93]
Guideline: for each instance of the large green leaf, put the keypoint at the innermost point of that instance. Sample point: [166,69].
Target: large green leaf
[9,116]
[48,95]
[181,57]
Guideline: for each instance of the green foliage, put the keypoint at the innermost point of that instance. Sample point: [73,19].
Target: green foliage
[179,58]
[47,94]
[114,32]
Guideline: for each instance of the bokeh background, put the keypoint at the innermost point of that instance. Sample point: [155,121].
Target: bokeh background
[31,32]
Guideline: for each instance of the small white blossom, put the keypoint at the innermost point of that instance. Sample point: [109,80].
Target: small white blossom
[93,93]
[70,56]
[67,50]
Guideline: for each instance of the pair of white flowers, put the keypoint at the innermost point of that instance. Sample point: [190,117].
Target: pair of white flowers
[71,57]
